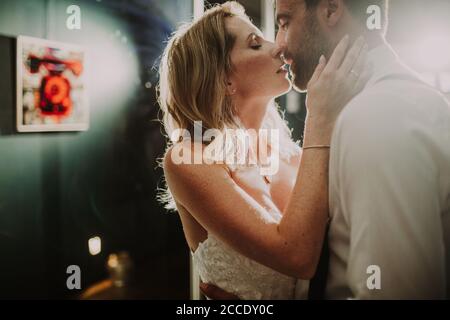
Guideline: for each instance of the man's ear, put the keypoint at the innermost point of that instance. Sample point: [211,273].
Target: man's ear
[333,11]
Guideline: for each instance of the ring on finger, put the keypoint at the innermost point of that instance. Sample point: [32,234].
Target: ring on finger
[354,73]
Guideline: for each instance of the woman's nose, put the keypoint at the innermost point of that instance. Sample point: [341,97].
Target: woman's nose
[277,52]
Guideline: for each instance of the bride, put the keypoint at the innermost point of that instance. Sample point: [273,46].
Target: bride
[251,234]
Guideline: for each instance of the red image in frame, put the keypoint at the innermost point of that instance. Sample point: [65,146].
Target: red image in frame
[51,91]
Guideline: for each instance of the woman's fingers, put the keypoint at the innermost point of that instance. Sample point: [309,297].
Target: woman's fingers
[355,73]
[320,67]
[361,61]
[352,56]
[215,293]
[338,55]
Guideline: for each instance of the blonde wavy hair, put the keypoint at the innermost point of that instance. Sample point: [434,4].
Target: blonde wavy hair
[193,82]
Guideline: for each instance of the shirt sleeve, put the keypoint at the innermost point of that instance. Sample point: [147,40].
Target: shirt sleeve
[387,191]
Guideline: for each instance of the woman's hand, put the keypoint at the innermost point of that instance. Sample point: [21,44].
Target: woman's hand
[333,85]
[215,293]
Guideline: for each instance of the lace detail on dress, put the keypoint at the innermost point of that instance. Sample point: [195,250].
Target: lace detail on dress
[220,265]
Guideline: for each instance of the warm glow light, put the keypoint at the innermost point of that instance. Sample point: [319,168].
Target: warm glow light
[433,53]
[95,245]
[113,261]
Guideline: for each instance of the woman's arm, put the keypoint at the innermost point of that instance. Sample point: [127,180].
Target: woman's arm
[306,216]
[224,209]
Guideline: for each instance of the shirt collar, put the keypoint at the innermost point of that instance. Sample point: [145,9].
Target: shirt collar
[385,62]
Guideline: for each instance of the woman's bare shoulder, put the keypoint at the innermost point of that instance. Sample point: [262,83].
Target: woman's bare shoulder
[183,178]
[187,158]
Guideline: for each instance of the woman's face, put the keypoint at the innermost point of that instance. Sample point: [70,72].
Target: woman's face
[256,62]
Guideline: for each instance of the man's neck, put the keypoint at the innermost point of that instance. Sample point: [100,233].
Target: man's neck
[374,40]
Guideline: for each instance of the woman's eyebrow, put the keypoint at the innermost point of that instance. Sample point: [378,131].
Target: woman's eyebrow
[254,35]
[251,35]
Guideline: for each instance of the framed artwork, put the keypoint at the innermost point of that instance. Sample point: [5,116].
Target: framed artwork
[51,86]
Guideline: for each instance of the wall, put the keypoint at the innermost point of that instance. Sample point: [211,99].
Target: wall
[57,190]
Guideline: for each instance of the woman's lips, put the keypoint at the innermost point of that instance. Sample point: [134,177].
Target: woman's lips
[288,60]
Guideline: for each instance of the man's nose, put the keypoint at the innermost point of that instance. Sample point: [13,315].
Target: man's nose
[280,39]
[281,44]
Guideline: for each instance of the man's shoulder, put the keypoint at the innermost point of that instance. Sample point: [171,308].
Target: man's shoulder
[391,100]
[386,113]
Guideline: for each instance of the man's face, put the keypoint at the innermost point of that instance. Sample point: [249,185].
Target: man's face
[302,38]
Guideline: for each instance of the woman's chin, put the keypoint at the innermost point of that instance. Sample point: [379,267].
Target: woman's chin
[285,87]
[279,88]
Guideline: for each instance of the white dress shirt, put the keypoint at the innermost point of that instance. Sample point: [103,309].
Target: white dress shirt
[390,189]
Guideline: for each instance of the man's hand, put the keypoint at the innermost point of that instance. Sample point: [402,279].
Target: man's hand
[215,293]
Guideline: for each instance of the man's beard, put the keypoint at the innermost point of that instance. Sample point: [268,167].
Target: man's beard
[308,51]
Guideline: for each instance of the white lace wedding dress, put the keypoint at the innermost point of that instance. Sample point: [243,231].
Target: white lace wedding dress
[222,266]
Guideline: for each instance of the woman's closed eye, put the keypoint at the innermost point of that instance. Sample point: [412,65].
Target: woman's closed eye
[255,42]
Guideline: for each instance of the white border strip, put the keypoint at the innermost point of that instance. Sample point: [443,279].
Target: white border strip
[199,9]
[268,19]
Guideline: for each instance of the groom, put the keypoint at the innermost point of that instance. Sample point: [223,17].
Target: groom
[389,236]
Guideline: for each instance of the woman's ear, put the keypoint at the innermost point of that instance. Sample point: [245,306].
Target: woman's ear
[231,89]
[334,10]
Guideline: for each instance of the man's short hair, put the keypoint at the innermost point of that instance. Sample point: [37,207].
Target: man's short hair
[358,9]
